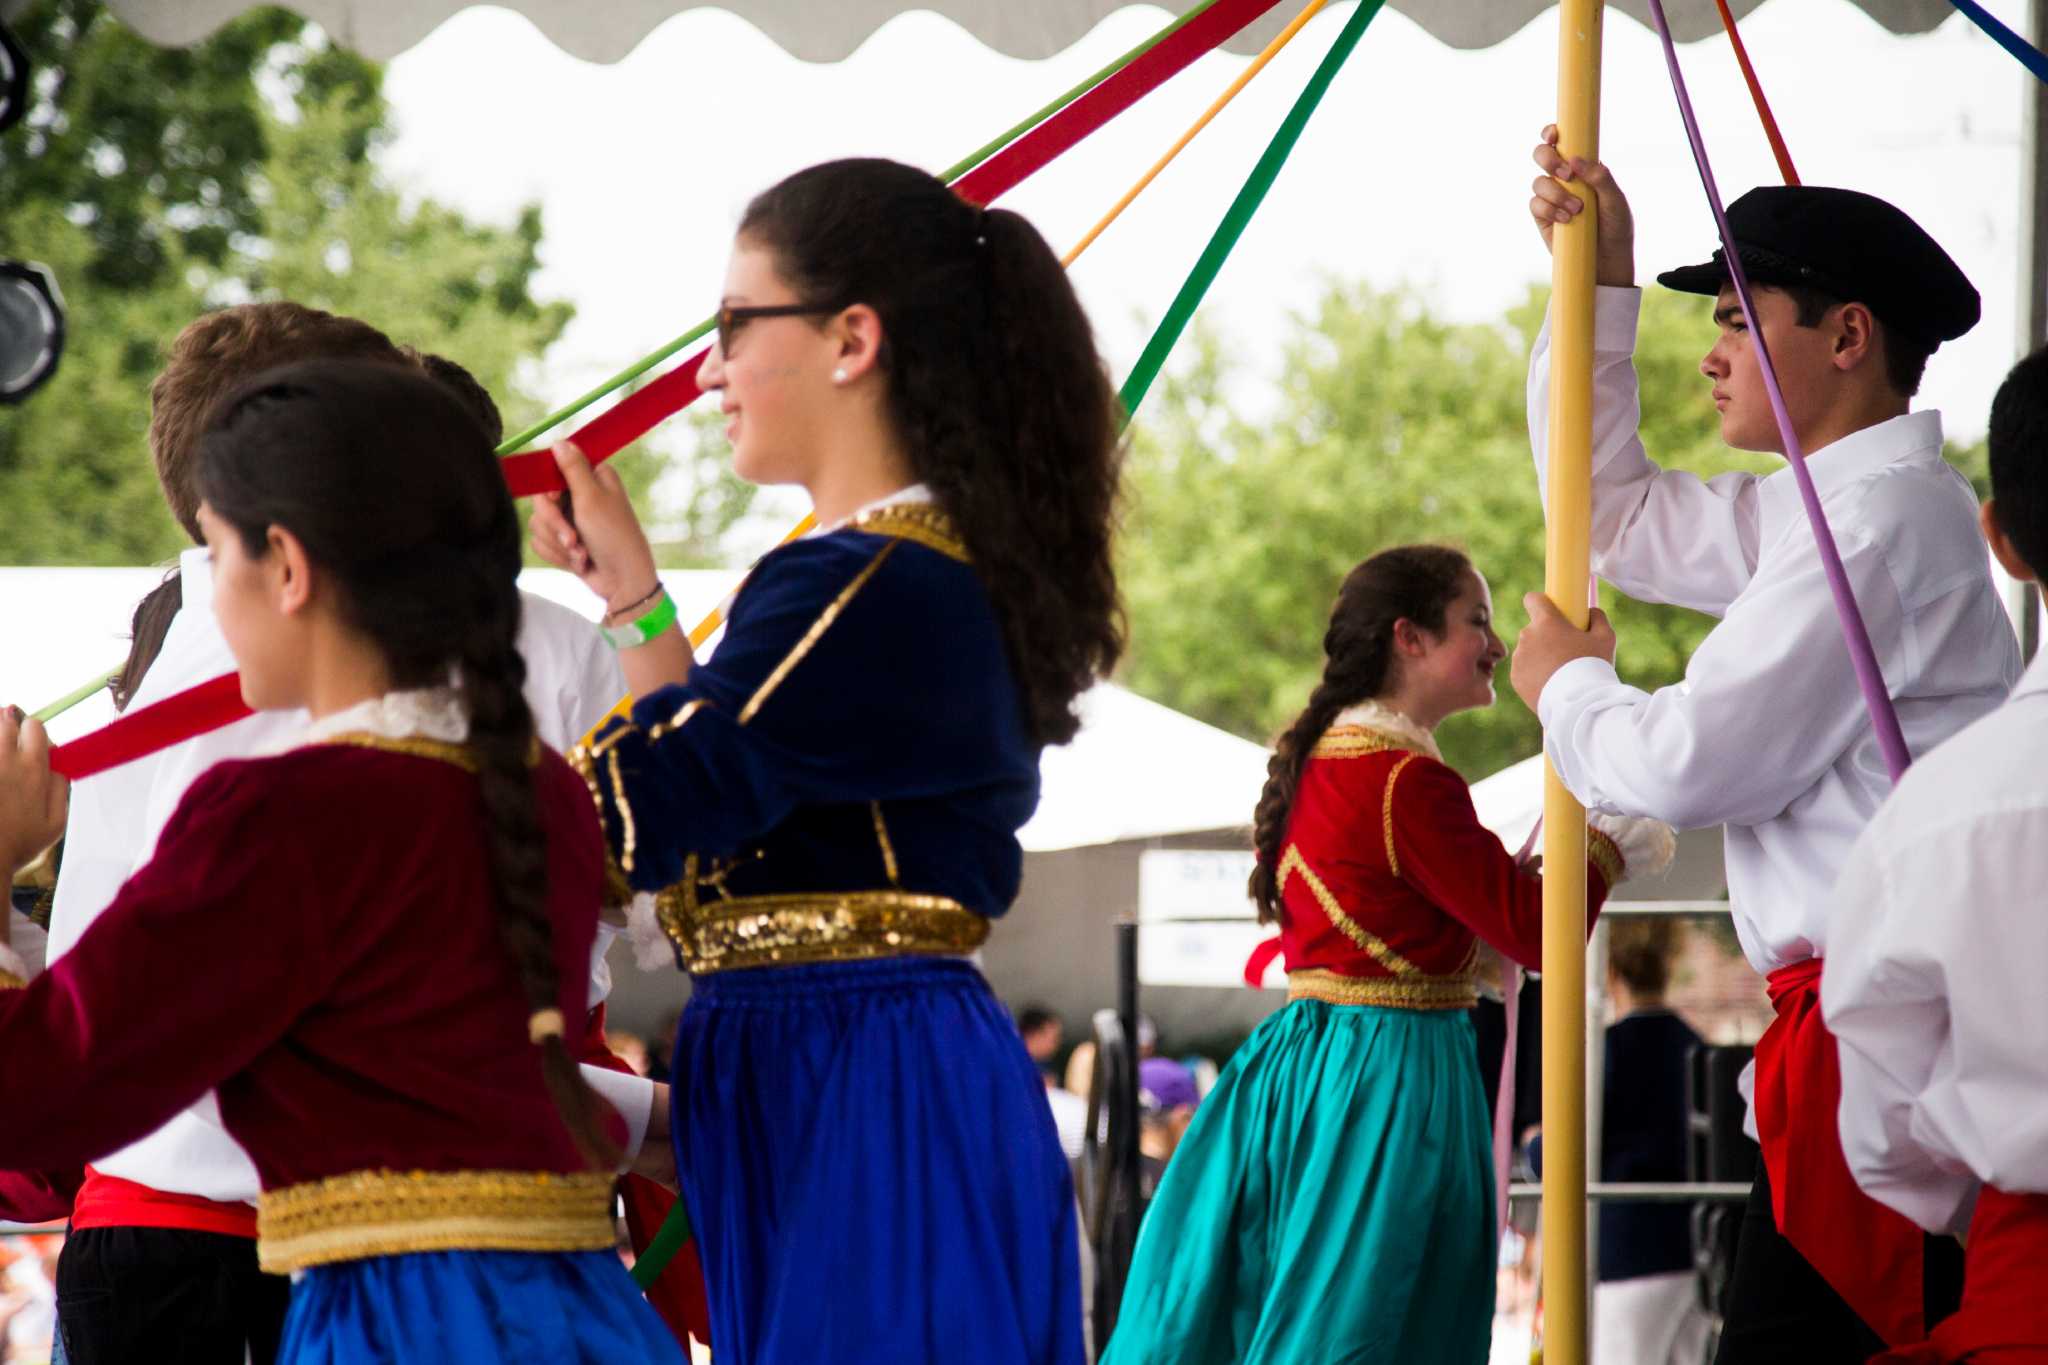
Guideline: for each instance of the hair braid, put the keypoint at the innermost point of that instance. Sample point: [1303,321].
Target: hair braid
[1409,582]
[490,675]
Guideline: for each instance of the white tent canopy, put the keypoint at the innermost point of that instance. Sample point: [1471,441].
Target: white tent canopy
[607,31]
[1137,769]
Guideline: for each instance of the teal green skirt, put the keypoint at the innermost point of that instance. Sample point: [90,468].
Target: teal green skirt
[1332,1202]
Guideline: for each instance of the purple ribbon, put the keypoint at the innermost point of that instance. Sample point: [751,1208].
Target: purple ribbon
[1868,676]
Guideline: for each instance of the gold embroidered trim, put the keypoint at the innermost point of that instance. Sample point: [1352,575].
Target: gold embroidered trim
[1356,741]
[388,1213]
[787,930]
[922,522]
[461,755]
[1605,854]
[888,849]
[1292,862]
[10,982]
[1387,814]
[1404,992]
[816,632]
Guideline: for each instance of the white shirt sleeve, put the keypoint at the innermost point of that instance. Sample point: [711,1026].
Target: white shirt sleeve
[1768,705]
[633,1097]
[1933,989]
[1659,535]
[572,676]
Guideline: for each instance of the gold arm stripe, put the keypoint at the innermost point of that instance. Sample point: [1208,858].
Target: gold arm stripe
[814,634]
[1292,862]
[1387,814]
[888,848]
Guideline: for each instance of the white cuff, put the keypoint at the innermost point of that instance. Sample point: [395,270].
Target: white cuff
[1569,683]
[633,1097]
[1615,312]
[651,948]
[1647,846]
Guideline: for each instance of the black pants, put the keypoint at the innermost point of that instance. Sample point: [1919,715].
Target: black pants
[168,1297]
[1781,1312]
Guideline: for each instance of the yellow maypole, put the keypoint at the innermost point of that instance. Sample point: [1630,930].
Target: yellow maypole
[1567,572]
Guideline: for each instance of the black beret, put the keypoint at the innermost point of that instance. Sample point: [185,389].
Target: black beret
[1853,246]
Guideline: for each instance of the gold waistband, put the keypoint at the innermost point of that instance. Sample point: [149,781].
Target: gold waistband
[389,1213]
[849,926]
[1389,992]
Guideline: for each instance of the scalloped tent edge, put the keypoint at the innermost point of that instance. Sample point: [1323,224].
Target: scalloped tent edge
[608,32]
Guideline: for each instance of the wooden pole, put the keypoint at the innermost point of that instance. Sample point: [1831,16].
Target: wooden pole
[1567,571]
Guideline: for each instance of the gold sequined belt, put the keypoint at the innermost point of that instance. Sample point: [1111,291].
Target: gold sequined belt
[1389,992]
[789,930]
[389,1213]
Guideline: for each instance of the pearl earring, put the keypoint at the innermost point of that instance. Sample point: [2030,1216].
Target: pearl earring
[839,376]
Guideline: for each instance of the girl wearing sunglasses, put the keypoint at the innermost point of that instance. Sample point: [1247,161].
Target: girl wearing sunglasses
[827,810]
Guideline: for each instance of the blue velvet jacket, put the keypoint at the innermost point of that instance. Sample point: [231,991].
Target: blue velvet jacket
[845,778]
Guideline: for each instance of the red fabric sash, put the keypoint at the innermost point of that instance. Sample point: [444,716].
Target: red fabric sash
[1868,1254]
[2004,1317]
[107,1201]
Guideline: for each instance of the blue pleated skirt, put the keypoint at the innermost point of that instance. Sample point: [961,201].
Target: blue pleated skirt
[474,1307]
[1332,1202]
[870,1164]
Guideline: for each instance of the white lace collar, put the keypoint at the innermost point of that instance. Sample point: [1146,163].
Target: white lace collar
[429,713]
[1373,715]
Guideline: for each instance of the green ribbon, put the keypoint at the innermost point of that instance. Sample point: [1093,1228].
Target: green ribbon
[1240,213]
[672,1237]
[71,699]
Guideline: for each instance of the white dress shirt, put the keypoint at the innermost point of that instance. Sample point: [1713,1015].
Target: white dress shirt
[1768,734]
[573,678]
[1936,979]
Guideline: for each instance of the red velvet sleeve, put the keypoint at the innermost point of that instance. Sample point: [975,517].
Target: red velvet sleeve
[39,1196]
[1438,846]
[201,963]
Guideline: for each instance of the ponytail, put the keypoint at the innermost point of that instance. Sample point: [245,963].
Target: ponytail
[146,632]
[1416,583]
[998,393]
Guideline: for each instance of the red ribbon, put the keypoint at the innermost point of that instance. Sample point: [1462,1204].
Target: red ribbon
[206,707]
[173,720]
[534,471]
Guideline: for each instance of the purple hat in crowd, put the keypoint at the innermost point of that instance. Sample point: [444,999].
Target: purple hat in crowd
[1165,1084]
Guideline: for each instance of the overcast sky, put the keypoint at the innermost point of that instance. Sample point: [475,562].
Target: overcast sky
[1414,171]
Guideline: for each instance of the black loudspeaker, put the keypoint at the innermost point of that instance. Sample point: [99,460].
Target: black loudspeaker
[31,328]
[13,80]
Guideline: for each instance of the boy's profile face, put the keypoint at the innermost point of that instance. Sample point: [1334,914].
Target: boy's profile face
[1803,356]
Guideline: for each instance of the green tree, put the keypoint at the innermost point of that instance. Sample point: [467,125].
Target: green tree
[158,182]
[1392,426]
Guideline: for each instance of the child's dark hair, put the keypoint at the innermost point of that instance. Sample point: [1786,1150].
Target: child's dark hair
[996,390]
[2019,459]
[395,494]
[1409,582]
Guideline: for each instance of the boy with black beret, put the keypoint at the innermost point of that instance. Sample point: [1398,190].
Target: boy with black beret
[1768,734]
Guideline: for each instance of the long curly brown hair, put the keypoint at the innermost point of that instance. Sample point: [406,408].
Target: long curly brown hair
[997,391]
[1415,583]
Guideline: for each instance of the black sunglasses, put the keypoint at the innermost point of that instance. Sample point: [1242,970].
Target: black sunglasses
[729,318]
